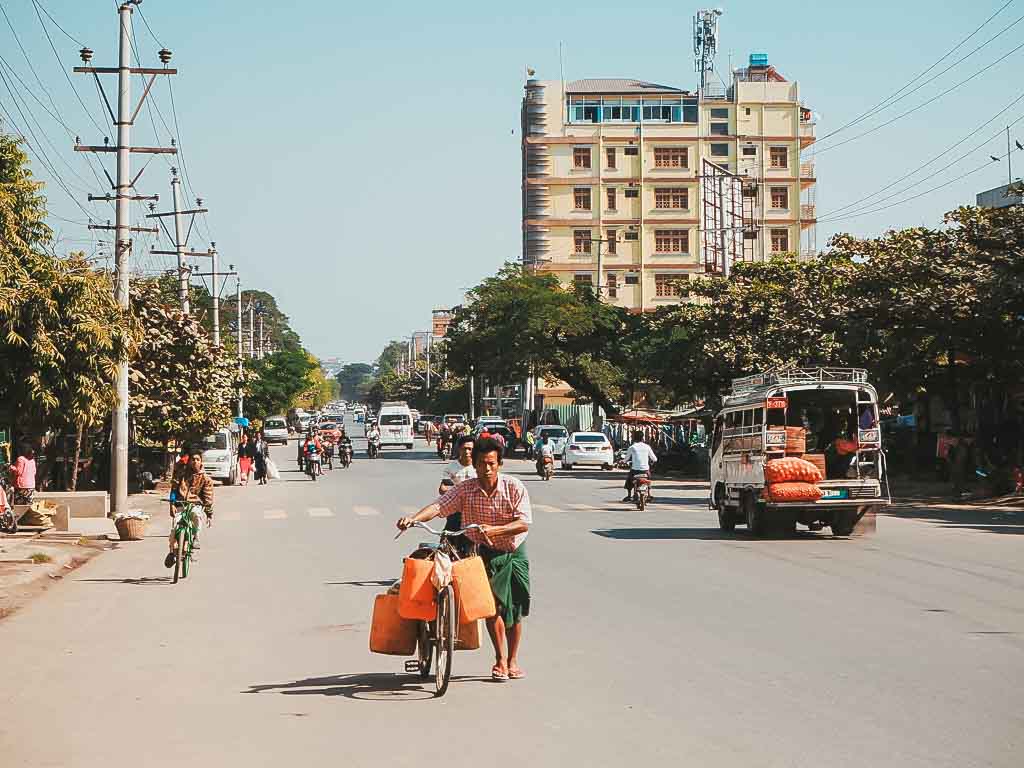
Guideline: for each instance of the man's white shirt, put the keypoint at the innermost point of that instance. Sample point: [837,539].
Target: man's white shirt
[547,450]
[458,473]
[641,456]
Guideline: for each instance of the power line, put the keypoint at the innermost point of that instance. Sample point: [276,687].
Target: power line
[884,102]
[58,26]
[151,33]
[925,165]
[921,194]
[921,105]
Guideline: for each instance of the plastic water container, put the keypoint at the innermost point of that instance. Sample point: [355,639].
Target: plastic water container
[759,59]
[472,590]
[389,632]
[416,597]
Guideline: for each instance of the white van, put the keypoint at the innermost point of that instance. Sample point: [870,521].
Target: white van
[395,423]
[275,429]
[220,456]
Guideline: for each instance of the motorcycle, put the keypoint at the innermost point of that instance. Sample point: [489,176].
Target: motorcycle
[547,468]
[8,522]
[328,462]
[345,454]
[313,465]
[441,447]
[642,490]
[373,447]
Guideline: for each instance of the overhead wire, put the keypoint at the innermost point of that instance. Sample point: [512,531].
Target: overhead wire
[921,167]
[57,25]
[885,102]
[921,105]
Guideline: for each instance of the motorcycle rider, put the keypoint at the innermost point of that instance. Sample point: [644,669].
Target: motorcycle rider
[344,443]
[311,445]
[544,451]
[373,436]
[640,457]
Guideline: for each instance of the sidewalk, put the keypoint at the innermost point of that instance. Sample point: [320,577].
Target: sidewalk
[30,562]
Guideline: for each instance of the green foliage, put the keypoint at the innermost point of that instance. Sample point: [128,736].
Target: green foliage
[278,380]
[352,377]
[181,386]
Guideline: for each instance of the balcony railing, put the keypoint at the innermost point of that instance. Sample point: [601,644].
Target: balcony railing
[807,169]
[808,211]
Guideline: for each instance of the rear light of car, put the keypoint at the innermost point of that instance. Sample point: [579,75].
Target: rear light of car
[574,447]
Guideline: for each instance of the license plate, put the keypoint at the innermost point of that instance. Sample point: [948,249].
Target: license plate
[835,493]
[395,431]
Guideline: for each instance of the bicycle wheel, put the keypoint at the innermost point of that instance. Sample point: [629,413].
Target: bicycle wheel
[444,644]
[187,559]
[424,650]
[180,550]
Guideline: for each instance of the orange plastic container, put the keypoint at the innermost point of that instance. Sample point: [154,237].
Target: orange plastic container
[468,636]
[416,597]
[473,590]
[389,632]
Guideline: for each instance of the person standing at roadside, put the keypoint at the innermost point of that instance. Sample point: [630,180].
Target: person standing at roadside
[23,473]
[500,505]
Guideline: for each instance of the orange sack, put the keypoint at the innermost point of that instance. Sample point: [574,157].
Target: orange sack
[791,470]
[793,492]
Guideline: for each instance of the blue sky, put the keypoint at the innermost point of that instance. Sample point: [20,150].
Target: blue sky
[323,135]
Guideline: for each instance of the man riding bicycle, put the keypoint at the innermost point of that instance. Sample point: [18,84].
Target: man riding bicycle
[190,483]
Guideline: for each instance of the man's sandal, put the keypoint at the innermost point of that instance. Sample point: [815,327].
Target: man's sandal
[497,675]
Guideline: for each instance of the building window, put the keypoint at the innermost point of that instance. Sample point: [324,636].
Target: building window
[610,153]
[747,110]
[779,157]
[672,241]
[583,280]
[780,240]
[780,198]
[632,192]
[611,198]
[631,151]
[666,286]
[672,198]
[581,196]
[613,240]
[581,157]
[633,279]
[719,150]
[719,129]
[613,285]
[719,114]
[581,240]
[631,234]
[750,151]
[671,157]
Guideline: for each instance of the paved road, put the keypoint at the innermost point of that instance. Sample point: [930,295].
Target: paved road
[655,640]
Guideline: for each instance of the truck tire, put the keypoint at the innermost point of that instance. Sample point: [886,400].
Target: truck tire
[726,519]
[844,522]
[754,513]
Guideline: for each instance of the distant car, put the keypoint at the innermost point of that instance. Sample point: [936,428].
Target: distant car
[557,436]
[421,424]
[499,429]
[220,456]
[454,418]
[487,421]
[275,429]
[331,430]
[588,448]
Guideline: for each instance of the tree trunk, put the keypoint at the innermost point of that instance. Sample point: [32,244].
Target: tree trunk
[78,454]
[954,394]
[168,460]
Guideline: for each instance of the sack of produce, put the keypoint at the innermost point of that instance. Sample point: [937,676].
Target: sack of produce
[793,491]
[791,470]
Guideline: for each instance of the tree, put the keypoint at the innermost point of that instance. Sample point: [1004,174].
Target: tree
[351,377]
[316,391]
[278,380]
[181,385]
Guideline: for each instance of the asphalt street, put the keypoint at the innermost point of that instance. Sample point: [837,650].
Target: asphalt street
[654,640]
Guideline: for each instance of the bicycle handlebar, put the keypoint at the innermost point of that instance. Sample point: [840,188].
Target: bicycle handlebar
[424,526]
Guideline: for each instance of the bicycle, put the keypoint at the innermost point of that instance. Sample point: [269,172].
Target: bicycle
[186,528]
[435,639]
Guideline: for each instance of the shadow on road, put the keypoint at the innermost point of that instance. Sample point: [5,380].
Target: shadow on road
[366,583]
[697,534]
[144,581]
[376,686]
[987,518]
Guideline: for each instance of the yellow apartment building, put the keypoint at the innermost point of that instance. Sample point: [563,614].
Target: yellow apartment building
[633,187]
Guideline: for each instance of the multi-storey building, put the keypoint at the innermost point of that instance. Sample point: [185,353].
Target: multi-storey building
[632,187]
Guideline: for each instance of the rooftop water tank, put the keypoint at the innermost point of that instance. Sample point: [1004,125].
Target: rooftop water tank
[759,59]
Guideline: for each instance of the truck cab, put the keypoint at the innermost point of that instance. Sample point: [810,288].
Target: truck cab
[827,416]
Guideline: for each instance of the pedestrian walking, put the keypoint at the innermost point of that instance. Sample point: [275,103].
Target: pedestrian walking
[23,475]
[244,458]
[259,457]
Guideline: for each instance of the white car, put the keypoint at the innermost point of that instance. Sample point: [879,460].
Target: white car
[588,448]
[275,429]
[220,456]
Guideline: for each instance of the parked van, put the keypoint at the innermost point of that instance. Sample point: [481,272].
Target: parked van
[275,429]
[827,416]
[395,423]
[220,456]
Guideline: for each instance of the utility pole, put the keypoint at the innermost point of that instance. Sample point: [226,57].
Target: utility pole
[472,396]
[215,276]
[124,119]
[252,332]
[238,329]
[429,337]
[261,337]
[1009,158]
[179,242]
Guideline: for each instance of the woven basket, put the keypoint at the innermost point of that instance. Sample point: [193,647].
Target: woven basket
[131,528]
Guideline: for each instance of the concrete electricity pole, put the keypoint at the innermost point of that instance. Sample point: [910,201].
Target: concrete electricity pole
[124,119]
[260,356]
[429,337]
[238,328]
[217,284]
[252,334]
[180,239]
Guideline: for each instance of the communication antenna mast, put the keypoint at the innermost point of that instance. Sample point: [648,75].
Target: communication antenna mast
[705,44]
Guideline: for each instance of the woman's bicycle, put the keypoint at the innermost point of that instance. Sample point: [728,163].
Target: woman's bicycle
[186,528]
[435,639]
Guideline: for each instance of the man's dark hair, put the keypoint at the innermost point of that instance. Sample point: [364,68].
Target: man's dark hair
[637,435]
[195,451]
[463,440]
[483,446]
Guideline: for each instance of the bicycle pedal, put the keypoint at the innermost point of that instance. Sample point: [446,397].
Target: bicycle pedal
[412,665]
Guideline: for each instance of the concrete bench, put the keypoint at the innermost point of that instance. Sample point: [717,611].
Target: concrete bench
[80,503]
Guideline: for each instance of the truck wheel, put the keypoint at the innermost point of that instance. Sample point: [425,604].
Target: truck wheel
[726,519]
[843,523]
[755,515]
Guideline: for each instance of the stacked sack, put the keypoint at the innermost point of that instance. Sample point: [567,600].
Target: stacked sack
[791,479]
